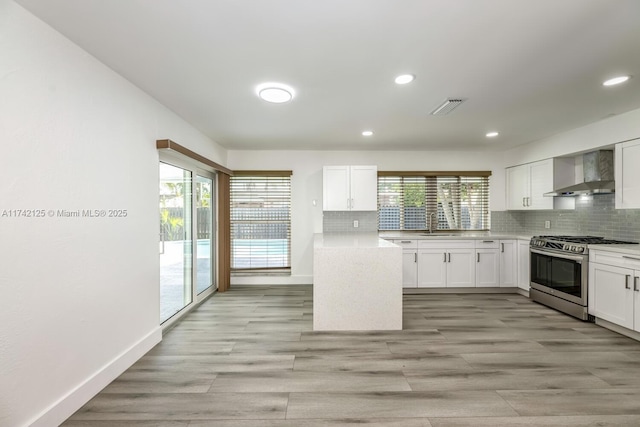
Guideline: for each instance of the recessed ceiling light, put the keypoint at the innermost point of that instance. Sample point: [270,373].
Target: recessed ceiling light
[616,81]
[367,133]
[404,79]
[492,134]
[276,93]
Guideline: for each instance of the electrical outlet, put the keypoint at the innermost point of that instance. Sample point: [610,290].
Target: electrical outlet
[356,223]
[547,224]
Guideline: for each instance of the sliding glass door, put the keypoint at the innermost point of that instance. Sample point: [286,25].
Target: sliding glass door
[186,263]
[204,221]
[176,246]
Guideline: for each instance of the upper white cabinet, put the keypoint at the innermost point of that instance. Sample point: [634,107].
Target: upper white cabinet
[526,184]
[350,188]
[627,175]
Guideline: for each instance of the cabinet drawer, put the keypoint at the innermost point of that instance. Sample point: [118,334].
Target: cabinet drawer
[616,259]
[488,244]
[446,244]
[407,243]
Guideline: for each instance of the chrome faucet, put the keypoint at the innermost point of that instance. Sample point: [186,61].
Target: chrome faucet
[431,221]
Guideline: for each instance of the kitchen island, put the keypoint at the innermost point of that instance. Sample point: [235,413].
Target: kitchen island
[357,283]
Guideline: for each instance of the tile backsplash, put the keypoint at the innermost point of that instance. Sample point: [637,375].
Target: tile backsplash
[342,222]
[594,216]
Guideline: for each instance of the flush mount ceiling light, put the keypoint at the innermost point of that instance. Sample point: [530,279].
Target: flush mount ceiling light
[367,133]
[276,93]
[404,79]
[492,134]
[616,81]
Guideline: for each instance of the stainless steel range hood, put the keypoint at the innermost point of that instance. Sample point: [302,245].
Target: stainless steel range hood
[598,176]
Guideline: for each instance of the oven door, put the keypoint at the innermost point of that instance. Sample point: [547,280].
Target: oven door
[560,274]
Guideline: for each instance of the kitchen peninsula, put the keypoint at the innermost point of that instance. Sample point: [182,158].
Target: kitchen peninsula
[357,283]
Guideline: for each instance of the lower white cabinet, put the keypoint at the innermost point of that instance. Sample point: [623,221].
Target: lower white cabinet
[409,262]
[508,263]
[432,268]
[524,265]
[446,264]
[487,268]
[458,263]
[614,288]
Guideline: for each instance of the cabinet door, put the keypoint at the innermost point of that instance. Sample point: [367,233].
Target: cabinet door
[541,181]
[487,268]
[517,187]
[524,265]
[410,269]
[432,268]
[508,263]
[627,175]
[636,300]
[611,294]
[364,188]
[336,188]
[461,268]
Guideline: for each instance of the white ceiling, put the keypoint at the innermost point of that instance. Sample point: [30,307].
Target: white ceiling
[530,69]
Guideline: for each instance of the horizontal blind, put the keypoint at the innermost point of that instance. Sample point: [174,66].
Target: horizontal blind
[450,202]
[260,221]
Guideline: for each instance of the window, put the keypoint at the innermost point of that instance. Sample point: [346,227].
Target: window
[260,220]
[409,200]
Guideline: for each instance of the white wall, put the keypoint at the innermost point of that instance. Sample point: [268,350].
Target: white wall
[599,134]
[79,296]
[306,186]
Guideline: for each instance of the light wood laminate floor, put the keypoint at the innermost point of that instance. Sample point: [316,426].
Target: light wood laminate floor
[249,357]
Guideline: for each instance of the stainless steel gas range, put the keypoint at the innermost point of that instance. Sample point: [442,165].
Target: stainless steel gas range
[559,271]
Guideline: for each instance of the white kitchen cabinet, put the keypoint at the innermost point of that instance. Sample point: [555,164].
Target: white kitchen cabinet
[432,268]
[350,188]
[409,262]
[446,263]
[526,184]
[524,265]
[487,268]
[627,175]
[508,263]
[487,263]
[614,288]
[612,295]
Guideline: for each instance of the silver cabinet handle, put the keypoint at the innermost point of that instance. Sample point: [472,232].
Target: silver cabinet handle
[630,257]
[405,241]
[502,247]
[445,257]
[528,201]
[449,260]
[415,257]
[352,203]
[635,284]
[523,201]
[478,260]
[487,241]
[626,281]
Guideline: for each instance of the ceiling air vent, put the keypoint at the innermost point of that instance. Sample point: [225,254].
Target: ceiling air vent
[447,106]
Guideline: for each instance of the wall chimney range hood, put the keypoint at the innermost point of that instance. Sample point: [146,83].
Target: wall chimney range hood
[598,176]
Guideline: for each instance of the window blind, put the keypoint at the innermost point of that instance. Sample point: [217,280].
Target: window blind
[260,220]
[450,202]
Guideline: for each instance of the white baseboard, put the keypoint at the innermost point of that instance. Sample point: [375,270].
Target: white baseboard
[76,398]
[271,280]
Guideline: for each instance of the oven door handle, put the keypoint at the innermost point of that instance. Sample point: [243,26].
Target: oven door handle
[577,258]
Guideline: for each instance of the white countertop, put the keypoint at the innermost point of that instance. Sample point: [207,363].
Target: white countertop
[622,249]
[463,235]
[350,240]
